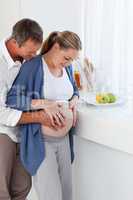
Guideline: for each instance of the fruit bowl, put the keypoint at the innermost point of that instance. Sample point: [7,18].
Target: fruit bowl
[105,98]
[102,99]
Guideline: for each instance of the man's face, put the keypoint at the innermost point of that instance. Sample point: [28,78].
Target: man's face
[28,49]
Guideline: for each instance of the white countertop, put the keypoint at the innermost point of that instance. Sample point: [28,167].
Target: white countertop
[111,125]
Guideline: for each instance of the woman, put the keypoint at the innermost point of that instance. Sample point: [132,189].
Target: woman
[49,76]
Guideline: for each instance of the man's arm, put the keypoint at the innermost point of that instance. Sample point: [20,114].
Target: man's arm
[36,117]
[47,117]
[29,117]
[8,116]
[51,111]
[12,117]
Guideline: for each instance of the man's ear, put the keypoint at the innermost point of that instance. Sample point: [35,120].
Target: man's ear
[14,42]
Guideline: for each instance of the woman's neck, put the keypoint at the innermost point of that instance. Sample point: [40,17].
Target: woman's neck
[57,72]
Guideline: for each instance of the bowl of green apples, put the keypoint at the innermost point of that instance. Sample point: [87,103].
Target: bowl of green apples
[106,98]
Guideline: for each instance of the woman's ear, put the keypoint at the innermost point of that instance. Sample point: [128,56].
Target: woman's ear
[56,46]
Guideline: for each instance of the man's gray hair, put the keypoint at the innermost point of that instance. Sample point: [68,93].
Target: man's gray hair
[27,29]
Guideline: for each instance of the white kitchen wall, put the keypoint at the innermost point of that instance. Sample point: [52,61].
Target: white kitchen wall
[9,14]
[52,15]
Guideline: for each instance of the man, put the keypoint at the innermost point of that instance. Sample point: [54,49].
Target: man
[25,41]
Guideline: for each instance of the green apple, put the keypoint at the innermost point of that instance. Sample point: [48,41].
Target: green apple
[112,97]
[104,98]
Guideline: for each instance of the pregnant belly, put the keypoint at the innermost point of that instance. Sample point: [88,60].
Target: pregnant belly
[61,131]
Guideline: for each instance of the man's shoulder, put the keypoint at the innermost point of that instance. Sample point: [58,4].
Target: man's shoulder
[31,66]
[3,59]
[36,60]
[3,63]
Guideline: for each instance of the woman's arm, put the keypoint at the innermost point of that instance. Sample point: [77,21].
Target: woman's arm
[69,71]
[74,99]
[73,106]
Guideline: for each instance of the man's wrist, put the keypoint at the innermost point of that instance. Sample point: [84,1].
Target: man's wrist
[31,117]
[37,103]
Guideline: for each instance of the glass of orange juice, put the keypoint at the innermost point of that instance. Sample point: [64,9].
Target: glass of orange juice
[77,78]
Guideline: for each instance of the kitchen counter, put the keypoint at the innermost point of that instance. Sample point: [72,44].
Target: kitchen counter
[103,167]
[107,125]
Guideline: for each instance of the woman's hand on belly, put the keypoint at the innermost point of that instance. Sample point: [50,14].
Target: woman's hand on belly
[52,112]
[62,131]
[55,112]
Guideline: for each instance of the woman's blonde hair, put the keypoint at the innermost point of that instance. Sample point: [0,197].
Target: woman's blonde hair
[65,39]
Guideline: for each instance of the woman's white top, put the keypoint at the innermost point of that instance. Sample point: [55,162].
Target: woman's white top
[56,88]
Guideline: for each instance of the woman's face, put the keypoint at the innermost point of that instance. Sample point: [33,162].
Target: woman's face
[61,57]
